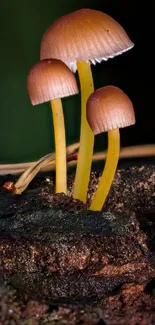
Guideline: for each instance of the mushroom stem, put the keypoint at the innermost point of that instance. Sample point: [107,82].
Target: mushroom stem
[86,135]
[108,172]
[60,145]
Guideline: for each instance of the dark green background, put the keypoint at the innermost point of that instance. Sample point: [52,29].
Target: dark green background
[25,131]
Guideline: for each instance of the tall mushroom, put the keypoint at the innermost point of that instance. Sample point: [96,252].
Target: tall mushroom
[51,80]
[80,38]
[108,110]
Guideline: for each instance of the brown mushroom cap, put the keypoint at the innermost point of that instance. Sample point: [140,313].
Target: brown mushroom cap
[50,79]
[109,108]
[84,35]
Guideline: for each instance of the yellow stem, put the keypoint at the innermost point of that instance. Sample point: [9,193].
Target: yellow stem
[60,146]
[108,172]
[86,135]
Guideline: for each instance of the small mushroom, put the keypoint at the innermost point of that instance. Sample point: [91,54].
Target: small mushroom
[80,38]
[108,110]
[51,80]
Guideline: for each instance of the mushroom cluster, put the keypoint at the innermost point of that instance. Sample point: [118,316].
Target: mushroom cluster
[74,42]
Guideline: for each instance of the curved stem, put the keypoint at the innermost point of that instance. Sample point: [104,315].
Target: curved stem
[60,146]
[108,172]
[86,135]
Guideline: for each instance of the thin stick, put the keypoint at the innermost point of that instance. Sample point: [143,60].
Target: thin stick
[22,166]
[146,150]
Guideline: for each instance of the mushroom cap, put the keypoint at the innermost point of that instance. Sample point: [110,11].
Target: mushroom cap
[84,35]
[50,79]
[109,108]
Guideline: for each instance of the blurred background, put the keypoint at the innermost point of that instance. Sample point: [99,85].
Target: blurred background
[26,132]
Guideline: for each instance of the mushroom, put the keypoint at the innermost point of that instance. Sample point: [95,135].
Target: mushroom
[108,110]
[80,38]
[51,80]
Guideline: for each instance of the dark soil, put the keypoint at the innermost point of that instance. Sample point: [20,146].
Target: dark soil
[61,264]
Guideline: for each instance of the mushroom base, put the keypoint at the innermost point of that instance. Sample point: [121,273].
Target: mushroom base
[71,265]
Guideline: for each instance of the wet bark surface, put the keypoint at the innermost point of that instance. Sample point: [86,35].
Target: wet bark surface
[68,265]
